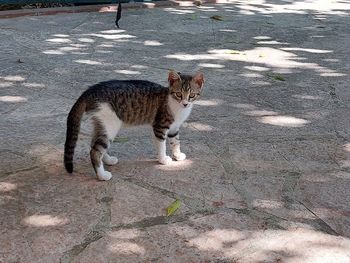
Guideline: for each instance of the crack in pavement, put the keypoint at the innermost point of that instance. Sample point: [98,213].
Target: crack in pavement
[323,225]
[163,220]
[191,202]
[20,170]
[69,255]
[97,231]
[103,226]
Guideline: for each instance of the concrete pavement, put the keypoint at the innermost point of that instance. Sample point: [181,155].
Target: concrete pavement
[268,171]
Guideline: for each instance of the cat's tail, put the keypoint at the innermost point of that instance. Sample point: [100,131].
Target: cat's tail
[73,128]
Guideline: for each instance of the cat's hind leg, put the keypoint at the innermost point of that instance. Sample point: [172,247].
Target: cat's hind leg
[107,125]
[99,148]
[109,122]
[109,160]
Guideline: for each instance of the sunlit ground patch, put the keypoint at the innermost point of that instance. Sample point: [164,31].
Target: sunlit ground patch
[271,42]
[125,234]
[14,78]
[88,62]
[256,68]
[69,48]
[59,40]
[126,248]
[6,187]
[111,37]
[309,50]
[176,165]
[200,126]
[139,66]
[33,85]
[210,65]
[6,84]
[299,244]
[209,103]
[128,72]
[267,204]
[44,220]
[60,35]
[86,40]
[283,121]
[215,239]
[112,31]
[152,43]
[307,97]
[251,75]
[13,99]
[53,52]
[259,113]
[244,106]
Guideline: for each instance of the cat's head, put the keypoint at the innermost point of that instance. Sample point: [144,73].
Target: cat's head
[185,89]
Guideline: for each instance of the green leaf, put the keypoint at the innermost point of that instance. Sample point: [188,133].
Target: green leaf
[171,209]
[278,77]
[218,18]
[121,139]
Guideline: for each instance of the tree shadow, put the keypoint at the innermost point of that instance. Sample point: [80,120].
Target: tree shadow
[267,145]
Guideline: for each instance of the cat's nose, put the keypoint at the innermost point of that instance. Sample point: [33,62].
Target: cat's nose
[185,104]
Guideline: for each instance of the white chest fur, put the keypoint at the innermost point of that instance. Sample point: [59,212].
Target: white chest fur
[180,114]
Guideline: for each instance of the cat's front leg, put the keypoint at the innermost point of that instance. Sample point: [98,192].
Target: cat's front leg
[160,134]
[175,147]
[161,149]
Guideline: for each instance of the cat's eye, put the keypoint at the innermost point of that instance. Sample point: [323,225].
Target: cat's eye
[192,95]
[178,94]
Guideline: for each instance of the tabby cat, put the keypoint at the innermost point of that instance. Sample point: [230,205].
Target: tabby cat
[116,103]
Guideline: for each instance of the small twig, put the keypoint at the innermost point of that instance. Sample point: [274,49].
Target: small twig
[212,28]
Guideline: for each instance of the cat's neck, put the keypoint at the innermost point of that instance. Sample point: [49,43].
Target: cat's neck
[178,111]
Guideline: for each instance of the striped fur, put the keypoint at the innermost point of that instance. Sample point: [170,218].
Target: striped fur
[73,128]
[115,103]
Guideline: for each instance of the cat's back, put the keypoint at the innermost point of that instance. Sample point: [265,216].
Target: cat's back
[127,86]
[134,101]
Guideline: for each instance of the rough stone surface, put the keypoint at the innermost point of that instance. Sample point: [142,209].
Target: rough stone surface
[267,177]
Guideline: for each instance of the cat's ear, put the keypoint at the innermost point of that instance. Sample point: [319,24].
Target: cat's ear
[173,77]
[199,79]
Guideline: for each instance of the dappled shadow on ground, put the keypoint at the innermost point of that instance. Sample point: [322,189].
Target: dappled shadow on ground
[267,174]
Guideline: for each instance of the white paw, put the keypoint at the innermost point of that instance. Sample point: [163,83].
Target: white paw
[165,160]
[110,160]
[180,156]
[104,176]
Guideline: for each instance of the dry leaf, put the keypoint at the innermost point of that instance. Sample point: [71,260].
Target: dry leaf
[235,52]
[218,18]
[218,203]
